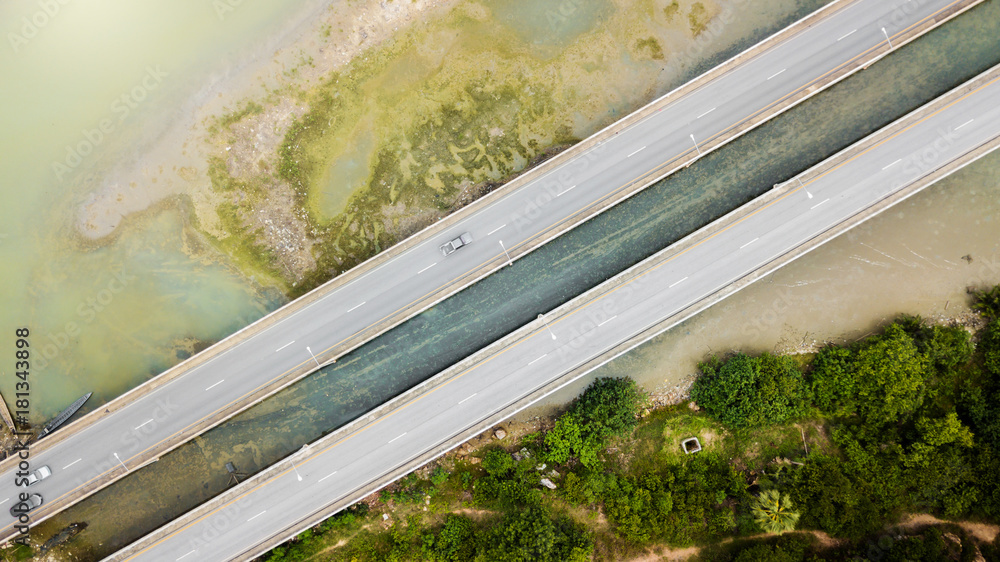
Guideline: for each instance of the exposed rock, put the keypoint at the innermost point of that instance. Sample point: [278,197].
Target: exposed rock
[541,467]
[548,484]
[500,433]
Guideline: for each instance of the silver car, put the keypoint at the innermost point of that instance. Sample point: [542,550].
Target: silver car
[20,508]
[35,477]
[452,245]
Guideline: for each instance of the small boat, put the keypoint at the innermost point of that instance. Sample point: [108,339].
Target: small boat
[65,415]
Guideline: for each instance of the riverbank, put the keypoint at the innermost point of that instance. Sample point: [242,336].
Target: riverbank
[698,506]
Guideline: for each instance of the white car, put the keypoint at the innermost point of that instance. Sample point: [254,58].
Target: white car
[35,477]
[455,244]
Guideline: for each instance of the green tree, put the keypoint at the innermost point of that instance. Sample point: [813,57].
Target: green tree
[497,462]
[935,433]
[746,392]
[565,439]
[608,408]
[891,375]
[774,512]
[454,542]
[833,501]
[530,535]
[833,381]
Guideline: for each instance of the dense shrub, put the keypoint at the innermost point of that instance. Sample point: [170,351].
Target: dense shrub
[830,500]
[607,408]
[747,392]
[684,504]
[890,377]
[531,535]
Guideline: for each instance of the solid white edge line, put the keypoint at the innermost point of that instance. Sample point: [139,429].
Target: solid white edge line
[256,516]
[848,35]
[677,283]
[497,229]
[636,152]
[818,204]
[430,266]
[284,346]
[748,243]
[469,396]
[69,465]
[893,164]
[400,437]
[709,111]
[539,359]
[357,306]
[964,124]
[775,75]
[327,476]
[216,384]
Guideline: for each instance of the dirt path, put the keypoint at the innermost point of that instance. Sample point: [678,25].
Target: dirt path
[981,531]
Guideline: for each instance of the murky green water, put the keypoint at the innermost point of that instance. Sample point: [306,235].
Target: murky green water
[84,88]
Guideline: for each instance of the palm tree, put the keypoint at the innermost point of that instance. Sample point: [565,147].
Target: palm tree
[773,512]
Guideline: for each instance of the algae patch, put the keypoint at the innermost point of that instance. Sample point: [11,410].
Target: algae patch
[426,121]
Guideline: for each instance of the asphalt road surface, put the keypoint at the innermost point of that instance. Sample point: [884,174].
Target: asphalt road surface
[109,448]
[323,476]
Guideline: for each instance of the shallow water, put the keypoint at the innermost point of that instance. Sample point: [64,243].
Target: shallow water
[84,90]
[548,26]
[908,260]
